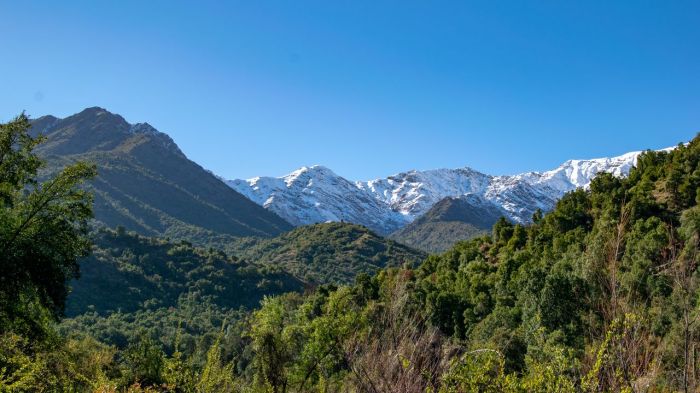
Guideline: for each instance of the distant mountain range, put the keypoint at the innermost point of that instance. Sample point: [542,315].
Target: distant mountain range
[316,194]
[146,184]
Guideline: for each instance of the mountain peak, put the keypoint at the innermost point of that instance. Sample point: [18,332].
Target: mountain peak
[313,169]
[95,109]
[316,194]
[96,128]
[310,169]
[47,118]
[308,173]
[144,181]
[98,112]
[143,128]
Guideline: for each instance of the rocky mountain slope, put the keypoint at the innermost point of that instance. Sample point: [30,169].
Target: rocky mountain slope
[316,194]
[146,184]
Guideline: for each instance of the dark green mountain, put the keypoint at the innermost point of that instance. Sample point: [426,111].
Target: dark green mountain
[146,184]
[330,252]
[127,272]
[133,285]
[449,221]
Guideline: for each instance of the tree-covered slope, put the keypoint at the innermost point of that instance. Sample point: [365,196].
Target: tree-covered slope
[132,284]
[330,252]
[146,184]
[600,295]
[447,222]
[127,272]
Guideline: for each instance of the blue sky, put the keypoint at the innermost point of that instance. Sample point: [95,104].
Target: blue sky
[366,88]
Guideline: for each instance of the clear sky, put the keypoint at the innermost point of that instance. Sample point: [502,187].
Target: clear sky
[367,88]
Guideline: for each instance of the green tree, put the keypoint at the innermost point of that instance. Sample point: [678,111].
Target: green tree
[146,361]
[43,231]
[216,376]
[270,346]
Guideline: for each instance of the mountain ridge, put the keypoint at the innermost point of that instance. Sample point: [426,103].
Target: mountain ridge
[146,183]
[298,196]
[388,204]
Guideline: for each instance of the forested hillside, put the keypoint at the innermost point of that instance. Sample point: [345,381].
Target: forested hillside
[132,285]
[599,295]
[329,253]
[127,272]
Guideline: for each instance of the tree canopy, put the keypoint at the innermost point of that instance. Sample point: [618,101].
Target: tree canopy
[43,230]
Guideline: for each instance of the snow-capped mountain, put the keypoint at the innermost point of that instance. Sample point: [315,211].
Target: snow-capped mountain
[316,194]
[413,193]
[579,173]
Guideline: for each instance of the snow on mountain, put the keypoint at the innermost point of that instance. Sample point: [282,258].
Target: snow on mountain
[579,173]
[415,192]
[316,194]
[519,200]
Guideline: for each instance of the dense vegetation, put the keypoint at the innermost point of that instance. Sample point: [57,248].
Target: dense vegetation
[446,223]
[328,253]
[128,272]
[146,184]
[42,232]
[133,286]
[599,295]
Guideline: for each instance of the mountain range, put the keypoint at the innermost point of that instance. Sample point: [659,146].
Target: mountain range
[146,184]
[316,194]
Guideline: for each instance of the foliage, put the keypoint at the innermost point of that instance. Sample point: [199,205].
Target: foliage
[330,253]
[599,295]
[53,365]
[128,272]
[134,288]
[43,227]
